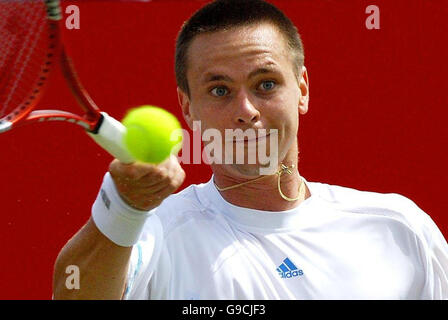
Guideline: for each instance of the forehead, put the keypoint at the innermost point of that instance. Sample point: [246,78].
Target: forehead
[238,47]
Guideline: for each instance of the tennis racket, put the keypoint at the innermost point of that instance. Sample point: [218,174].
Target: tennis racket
[30,47]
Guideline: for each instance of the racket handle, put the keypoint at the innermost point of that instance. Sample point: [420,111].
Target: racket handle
[110,137]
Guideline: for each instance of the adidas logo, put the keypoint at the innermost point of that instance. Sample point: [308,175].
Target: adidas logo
[288,269]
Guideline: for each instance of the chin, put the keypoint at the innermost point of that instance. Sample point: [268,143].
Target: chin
[253,170]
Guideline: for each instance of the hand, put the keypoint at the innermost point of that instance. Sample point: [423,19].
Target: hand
[144,186]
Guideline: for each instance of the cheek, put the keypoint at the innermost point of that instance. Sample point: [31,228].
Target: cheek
[286,111]
[286,118]
[211,120]
[292,107]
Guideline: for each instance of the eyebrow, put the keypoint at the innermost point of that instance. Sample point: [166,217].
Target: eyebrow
[210,77]
[261,71]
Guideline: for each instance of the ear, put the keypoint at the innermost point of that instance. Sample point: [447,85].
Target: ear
[184,102]
[304,87]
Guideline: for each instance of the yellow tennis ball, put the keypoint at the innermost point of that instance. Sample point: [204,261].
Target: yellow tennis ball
[152,134]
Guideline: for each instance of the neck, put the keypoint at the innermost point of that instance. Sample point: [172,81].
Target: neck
[260,193]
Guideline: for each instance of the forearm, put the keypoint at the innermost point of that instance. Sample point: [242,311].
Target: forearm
[127,195]
[102,266]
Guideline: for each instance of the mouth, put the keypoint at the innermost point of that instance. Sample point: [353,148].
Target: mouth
[256,139]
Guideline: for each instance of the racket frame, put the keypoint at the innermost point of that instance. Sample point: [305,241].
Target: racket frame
[102,128]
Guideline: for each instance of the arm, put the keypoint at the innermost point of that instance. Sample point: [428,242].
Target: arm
[96,249]
[102,266]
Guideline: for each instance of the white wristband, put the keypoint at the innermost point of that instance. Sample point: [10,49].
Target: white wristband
[118,221]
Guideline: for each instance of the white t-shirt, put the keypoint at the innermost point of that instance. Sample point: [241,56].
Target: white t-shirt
[340,243]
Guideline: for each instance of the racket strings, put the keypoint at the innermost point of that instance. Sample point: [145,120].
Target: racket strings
[22,60]
[23,54]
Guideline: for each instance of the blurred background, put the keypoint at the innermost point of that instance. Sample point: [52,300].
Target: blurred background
[377,117]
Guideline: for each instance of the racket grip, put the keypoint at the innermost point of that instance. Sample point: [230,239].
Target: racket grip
[110,137]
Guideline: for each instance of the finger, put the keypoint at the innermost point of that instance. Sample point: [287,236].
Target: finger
[170,184]
[132,171]
[172,179]
[143,201]
[139,189]
[166,171]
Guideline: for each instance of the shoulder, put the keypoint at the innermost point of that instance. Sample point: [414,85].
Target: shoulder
[368,200]
[389,206]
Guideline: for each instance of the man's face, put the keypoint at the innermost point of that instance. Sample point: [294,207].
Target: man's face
[244,78]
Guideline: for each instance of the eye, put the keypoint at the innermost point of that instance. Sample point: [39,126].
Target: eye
[267,85]
[219,91]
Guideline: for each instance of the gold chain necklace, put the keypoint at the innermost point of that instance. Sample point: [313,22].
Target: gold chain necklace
[283,169]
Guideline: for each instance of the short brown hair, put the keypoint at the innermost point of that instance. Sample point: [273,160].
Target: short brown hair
[225,14]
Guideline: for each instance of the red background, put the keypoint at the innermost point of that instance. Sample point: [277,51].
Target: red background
[376,120]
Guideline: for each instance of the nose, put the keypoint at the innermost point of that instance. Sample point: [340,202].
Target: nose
[246,112]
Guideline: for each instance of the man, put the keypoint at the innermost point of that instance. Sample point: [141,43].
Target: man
[242,235]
